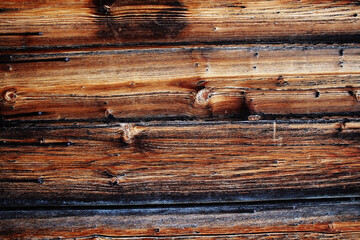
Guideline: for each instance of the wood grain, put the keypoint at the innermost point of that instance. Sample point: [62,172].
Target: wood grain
[177,83]
[296,236]
[49,23]
[289,220]
[153,163]
[179,119]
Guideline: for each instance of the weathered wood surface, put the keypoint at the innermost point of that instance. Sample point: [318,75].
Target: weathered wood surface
[149,163]
[297,236]
[289,220]
[178,83]
[69,23]
[180,119]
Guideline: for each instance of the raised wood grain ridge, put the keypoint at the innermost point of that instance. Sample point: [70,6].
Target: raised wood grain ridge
[280,220]
[68,23]
[182,83]
[149,163]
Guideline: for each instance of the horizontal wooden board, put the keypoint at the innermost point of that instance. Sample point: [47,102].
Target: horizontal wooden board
[128,163]
[279,220]
[300,235]
[182,83]
[67,23]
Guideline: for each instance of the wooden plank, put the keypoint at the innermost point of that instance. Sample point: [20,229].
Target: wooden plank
[342,236]
[296,236]
[143,163]
[191,83]
[338,236]
[30,23]
[290,220]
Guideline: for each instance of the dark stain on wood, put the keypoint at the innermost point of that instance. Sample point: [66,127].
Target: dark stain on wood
[22,180]
[22,34]
[6,10]
[275,220]
[149,19]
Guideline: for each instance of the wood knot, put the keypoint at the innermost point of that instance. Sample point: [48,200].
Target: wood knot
[254,117]
[331,227]
[203,96]
[355,94]
[108,114]
[128,132]
[9,95]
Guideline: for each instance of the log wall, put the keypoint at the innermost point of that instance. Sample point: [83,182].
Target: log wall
[180,119]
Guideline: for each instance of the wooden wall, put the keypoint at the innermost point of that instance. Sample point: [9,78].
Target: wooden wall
[180,119]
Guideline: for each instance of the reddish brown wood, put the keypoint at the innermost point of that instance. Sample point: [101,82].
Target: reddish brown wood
[25,23]
[205,82]
[178,162]
[292,220]
[91,97]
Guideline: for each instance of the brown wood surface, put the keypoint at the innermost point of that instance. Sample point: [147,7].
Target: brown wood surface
[192,83]
[298,235]
[280,220]
[68,23]
[179,119]
[149,163]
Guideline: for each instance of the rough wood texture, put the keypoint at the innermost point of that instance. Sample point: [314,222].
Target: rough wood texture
[148,163]
[290,220]
[297,236]
[180,119]
[26,23]
[178,83]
